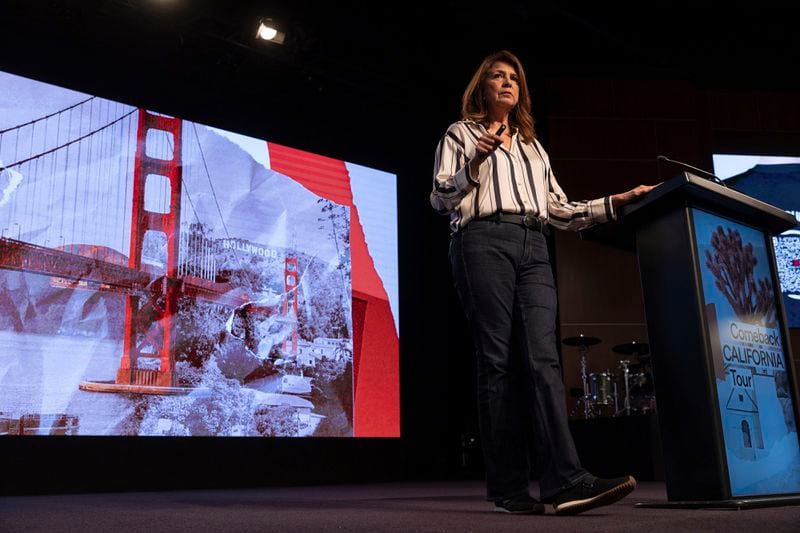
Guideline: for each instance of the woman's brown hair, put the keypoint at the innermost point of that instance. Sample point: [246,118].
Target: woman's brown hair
[473,105]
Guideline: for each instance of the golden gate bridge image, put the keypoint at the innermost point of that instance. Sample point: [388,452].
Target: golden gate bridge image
[80,187]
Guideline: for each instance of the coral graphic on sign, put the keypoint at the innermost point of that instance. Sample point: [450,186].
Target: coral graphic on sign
[732,265]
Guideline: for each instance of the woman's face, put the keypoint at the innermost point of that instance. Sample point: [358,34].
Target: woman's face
[501,87]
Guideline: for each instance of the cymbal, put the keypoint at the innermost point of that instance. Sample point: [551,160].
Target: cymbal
[632,348]
[581,340]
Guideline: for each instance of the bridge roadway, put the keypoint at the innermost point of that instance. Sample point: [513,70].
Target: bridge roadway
[79,272]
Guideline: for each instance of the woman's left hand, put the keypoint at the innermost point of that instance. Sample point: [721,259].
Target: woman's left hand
[631,195]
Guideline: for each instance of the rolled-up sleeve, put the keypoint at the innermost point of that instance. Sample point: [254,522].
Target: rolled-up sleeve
[451,178]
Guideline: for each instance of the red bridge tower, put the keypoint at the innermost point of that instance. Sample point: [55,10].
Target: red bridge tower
[148,323]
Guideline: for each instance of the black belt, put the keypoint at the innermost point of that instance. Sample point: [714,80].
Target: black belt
[529,221]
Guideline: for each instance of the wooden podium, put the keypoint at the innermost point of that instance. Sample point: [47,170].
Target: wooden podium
[722,366]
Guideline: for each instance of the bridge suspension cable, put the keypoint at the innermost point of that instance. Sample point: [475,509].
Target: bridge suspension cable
[67,176]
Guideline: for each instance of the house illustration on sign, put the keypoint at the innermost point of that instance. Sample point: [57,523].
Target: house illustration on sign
[743,424]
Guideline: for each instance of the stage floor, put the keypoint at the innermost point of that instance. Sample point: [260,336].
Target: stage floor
[407,506]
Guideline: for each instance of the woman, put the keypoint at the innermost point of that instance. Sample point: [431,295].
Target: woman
[493,178]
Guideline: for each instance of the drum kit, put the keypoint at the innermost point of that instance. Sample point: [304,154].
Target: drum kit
[602,390]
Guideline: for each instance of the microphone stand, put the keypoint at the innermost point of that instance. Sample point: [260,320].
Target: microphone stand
[704,174]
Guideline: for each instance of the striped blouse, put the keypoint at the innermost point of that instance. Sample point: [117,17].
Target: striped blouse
[510,181]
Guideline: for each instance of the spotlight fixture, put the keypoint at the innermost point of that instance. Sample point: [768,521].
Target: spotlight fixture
[269,31]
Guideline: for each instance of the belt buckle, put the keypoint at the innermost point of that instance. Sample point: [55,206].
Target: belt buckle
[528,221]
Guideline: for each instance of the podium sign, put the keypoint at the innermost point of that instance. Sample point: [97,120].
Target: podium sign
[722,367]
[753,391]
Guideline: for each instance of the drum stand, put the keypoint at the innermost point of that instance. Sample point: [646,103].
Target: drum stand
[638,350]
[626,376]
[587,401]
[587,409]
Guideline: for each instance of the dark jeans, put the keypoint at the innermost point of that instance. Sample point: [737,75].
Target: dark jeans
[503,277]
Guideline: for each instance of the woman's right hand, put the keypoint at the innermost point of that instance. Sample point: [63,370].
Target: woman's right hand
[488,143]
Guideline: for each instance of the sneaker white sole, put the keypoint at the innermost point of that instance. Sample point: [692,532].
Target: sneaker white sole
[606,498]
[539,509]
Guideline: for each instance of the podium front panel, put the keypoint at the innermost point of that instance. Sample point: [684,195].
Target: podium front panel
[746,331]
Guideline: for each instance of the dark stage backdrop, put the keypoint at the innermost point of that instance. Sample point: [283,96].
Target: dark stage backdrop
[602,134]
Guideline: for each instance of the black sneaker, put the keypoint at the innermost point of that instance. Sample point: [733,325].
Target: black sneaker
[592,492]
[522,504]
